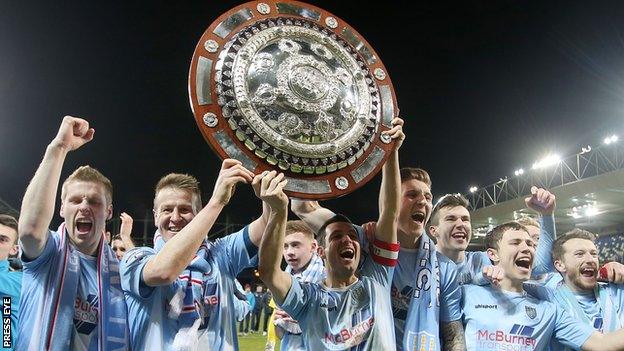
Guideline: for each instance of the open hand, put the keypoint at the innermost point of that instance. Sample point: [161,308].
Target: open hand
[269,187]
[231,173]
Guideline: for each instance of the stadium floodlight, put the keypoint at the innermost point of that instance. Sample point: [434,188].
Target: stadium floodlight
[591,211]
[549,160]
[610,139]
[473,189]
[519,172]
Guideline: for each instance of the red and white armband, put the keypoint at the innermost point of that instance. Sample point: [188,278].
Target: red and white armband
[385,253]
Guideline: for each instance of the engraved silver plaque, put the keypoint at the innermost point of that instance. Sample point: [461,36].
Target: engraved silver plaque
[296,92]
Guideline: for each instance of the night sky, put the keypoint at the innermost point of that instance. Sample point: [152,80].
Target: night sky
[484,87]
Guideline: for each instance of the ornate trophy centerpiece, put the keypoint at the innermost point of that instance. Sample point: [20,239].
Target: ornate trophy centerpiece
[287,86]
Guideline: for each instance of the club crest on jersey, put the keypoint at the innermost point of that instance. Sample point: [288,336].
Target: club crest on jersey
[531,312]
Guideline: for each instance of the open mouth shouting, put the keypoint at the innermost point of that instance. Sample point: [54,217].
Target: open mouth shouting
[419,217]
[589,271]
[524,264]
[459,236]
[83,226]
[347,254]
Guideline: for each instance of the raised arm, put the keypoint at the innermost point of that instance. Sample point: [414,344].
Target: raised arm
[178,252]
[38,203]
[390,193]
[125,231]
[270,190]
[257,227]
[543,202]
[311,212]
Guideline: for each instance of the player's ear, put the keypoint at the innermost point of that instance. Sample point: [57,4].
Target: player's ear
[559,266]
[314,246]
[432,231]
[493,255]
[320,251]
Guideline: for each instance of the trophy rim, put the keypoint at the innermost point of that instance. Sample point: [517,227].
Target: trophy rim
[221,136]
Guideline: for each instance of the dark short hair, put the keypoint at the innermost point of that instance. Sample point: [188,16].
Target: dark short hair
[558,251]
[409,173]
[494,236]
[448,200]
[335,219]
[10,222]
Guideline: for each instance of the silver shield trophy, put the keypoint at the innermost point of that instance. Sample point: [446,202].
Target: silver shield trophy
[287,86]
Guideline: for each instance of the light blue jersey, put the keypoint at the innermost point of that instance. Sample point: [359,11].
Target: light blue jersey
[43,273]
[292,339]
[84,337]
[150,326]
[10,286]
[602,308]
[357,317]
[410,276]
[406,277]
[500,320]
[470,270]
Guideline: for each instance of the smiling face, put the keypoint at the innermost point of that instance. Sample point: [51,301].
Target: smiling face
[298,250]
[579,264]
[515,254]
[415,207]
[173,210]
[85,210]
[341,250]
[452,230]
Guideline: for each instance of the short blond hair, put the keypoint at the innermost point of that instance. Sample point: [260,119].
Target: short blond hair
[299,226]
[92,175]
[528,221]
[180,181]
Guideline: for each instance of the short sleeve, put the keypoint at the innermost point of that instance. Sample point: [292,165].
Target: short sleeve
[238,250]
[378,272]
[44,260]
[362,238]
[568,331]
[131,271]
[450,293]
[299,298]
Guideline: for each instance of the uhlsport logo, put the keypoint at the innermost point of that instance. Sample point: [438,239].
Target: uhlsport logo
[519,338]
